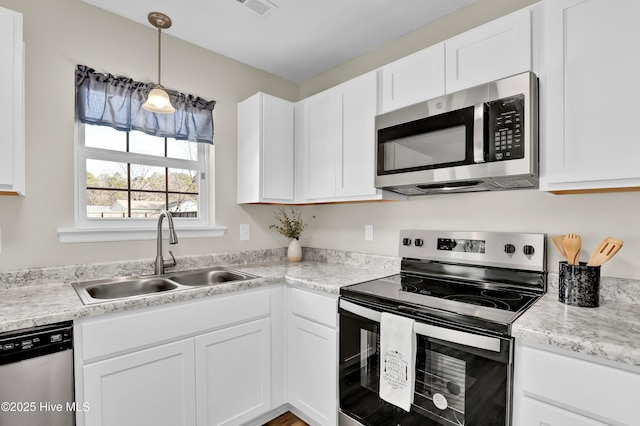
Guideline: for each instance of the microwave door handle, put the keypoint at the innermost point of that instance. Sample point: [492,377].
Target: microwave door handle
[440,333]
[478,133]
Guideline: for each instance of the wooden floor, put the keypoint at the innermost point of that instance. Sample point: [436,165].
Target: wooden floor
[287,419]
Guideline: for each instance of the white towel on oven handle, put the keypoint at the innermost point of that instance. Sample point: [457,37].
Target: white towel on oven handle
[397,360]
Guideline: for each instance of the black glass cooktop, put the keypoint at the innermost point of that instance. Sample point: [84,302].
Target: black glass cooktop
[475,295]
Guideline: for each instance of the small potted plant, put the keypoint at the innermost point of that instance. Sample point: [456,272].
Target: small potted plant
[290,226]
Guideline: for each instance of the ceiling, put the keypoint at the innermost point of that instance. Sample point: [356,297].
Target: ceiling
[294,39]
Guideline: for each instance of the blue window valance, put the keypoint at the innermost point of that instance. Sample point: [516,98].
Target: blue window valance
[108,100]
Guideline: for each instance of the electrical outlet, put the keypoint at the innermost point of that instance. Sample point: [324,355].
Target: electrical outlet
[245,234]
[368,232]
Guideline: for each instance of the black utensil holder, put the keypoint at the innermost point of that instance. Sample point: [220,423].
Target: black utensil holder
[579,285]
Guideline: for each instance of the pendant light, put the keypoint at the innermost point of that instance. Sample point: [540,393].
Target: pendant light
[158,99]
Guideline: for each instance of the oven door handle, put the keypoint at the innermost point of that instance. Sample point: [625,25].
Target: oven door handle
[440,333]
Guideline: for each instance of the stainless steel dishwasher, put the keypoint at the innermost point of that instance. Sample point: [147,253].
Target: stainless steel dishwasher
[36,376]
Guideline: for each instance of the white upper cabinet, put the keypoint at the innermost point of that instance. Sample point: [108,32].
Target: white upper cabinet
[265,150]
[412,79]
[590,140]
[12,157]
[498,49]
[336,143]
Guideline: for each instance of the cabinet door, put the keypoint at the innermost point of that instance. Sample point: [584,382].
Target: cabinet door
[322,130]
[356,148]
[151,387]
[265,150]
[312,370]
[591,95]
[233,384]
[277,149]
[412,79]
[12,179]
[536,413]
[498,49]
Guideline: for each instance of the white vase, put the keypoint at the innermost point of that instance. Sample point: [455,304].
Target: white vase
[294,252]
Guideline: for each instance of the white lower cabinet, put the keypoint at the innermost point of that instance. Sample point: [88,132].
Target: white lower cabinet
[553,387]
[154,386]
[312,356]
[233,384]
[202,362]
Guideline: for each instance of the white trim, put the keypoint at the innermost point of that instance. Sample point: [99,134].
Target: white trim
[133,233]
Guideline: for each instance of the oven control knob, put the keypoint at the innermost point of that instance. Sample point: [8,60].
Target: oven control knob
[528,250]
[418,242]
[406,241]
[509,248]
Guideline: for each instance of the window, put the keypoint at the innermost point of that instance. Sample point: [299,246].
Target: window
[131,164]
[132,175]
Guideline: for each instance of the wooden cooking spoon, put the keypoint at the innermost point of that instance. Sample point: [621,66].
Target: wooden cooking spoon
[557,241]
[572,244]
[605,251]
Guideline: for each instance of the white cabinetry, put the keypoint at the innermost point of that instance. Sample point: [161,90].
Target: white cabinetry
[336,142]
[498,49]
[154,386]
[555,388]
[590,142]
[412,79]
[312,355]
[207,360]
[234,380]
[265,150]
[12,156]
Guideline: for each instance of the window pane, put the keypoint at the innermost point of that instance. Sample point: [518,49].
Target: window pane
[183,180]
[141,143]
[148,178]
[106,174]
[106,204]
[105,138]
[183,150]
[144,204]
[183,205]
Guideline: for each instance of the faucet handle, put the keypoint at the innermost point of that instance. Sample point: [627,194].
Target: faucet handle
[171,263]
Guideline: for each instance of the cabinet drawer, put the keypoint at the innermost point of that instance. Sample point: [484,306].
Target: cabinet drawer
[536,413]
[585,387]
[122,332]
[313,306]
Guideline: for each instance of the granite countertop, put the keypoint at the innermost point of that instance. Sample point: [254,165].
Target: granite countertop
[26,306]
[610,332]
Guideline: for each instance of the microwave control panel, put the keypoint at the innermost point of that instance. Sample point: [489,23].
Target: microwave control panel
[504,127]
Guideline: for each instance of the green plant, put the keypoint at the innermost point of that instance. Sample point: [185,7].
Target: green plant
[291,226]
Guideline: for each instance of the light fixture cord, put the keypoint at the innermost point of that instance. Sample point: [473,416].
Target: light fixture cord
[159,31]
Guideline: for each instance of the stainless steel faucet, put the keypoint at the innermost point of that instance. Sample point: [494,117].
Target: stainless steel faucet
[173,239]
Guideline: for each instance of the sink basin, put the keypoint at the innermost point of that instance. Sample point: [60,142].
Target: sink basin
[100,291]
[209,276]
[129,288]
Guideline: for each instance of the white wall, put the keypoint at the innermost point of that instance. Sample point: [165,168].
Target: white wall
[62,33]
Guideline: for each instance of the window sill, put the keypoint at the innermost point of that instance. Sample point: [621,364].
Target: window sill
[138,233]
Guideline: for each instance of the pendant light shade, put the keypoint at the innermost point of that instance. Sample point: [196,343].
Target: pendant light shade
[158,99]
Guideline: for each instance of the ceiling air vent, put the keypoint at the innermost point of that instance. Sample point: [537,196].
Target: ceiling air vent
[261,7]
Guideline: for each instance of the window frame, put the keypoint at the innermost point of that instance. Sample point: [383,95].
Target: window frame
[88,229]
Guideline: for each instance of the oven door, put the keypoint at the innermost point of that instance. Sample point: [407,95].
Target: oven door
[462,378]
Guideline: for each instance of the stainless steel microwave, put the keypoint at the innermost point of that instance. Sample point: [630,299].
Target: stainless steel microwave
[480,139]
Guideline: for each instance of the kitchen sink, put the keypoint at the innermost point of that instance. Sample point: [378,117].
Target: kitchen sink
[207,276]
[129,287]
[100,291]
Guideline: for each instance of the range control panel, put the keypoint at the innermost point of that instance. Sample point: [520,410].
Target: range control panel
[500,249]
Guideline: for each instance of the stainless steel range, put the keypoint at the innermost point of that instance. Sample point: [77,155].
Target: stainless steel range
[464,290]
